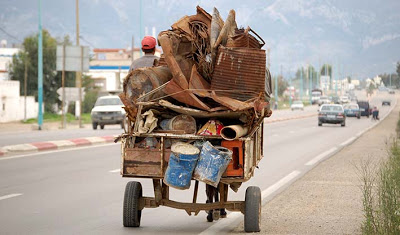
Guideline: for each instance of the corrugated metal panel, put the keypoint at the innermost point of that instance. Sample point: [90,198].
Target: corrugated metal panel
[240,72]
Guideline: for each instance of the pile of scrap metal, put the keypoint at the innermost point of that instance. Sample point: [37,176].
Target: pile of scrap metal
[210,70]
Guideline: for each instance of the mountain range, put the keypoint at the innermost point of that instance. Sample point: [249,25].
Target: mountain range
[360,38]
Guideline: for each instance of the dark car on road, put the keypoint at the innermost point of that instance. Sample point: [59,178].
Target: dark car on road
[386,102]
[365,109]
[335,99]
[331,113]
[352,110]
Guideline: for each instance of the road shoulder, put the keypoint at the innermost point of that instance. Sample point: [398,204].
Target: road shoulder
[328,198]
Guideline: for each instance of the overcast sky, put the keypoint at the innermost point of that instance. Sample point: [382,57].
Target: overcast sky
[359,37]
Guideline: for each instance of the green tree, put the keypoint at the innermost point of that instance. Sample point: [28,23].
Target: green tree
[326,70]
[282,85]
[51,78]
[91,94]
[371,88]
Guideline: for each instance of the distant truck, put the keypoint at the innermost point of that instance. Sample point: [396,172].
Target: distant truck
[315,95]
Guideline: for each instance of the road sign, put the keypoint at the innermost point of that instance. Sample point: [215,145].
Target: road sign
[71,93]
[73,55]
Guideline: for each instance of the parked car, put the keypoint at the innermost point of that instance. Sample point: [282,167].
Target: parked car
[108,110]
[385,102]
[391,91]
[324,100]
[365,109]
[344,99]
[331,113]
[352,110]
[298,104]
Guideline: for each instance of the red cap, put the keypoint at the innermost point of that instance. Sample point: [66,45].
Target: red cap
[148,42]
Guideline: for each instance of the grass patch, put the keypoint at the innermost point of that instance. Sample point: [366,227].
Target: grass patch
[381,194]
[52,117]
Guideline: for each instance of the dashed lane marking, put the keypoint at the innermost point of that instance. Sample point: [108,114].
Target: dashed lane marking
[348,141]
[321,156]
[10,196]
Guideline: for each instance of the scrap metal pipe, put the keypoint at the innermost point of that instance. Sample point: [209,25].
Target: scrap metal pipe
[233,132]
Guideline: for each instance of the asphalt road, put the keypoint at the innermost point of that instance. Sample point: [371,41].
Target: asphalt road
[79,191]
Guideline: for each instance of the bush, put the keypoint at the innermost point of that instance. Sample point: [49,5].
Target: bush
[90,99]
[381,195]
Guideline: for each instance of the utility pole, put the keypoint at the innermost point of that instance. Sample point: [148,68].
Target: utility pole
[276,89]
[301,84]
[141,23]
[78,82]
[40,69]
[133,47]
[335,82]
[390,79]
[310,83]
[25,83]
[63,119]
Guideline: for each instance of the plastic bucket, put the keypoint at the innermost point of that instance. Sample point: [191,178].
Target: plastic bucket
[182,162]
[212,163]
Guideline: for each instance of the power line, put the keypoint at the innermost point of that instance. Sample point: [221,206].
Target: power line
[4,31]
[83,39]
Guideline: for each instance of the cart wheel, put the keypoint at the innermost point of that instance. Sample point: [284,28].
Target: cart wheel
[131,213]
[252,211]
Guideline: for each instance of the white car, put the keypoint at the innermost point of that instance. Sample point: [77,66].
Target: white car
[344,99]
[324,100]
[108,110]
[297,105]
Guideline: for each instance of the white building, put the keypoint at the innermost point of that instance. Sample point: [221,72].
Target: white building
[109,67]
[6,55]
[12,105]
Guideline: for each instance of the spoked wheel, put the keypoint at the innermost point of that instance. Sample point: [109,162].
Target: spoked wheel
[131,211]
[252,211]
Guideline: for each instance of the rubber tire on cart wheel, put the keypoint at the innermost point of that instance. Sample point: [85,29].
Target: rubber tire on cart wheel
[252,210]
[343,124]
[94,124]
[319,123]
[131,212]
[102,127]
[358,117]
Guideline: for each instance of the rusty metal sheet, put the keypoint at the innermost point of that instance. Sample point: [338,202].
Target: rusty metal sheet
[239,73]
[197,84]
[166,44]
[184,96]
[216,25]
[203,114]
[243,38]
[233,104]
[227,30]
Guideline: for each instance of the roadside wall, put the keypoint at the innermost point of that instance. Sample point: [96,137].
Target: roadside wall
[12,104]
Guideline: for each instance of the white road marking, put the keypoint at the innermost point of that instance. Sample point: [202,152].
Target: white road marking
[273,188]
[361,132]
[321,156]
[115,171]
[55,151]
[348,141]
[233,217]
[10,196]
